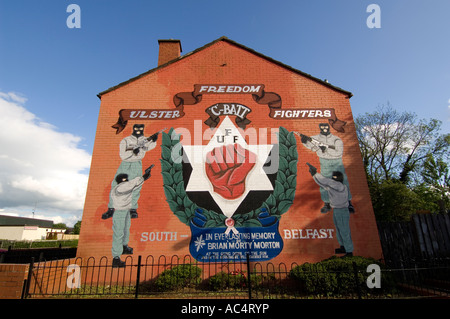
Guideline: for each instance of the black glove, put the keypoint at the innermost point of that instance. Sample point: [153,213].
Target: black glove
[147,172]
[312,169]
[304,138]
[154,137]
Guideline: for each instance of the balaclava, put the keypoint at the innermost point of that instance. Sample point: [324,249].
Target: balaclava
[324,128]
[338,176]
[121,178]
[138,130]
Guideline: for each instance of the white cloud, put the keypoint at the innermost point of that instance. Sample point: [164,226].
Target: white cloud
[12,96]
[39,165]
[388,133]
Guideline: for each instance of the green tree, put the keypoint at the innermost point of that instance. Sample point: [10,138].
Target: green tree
[404,159]
[436,174]
[60,226]
[394,201]
[77,227]
[394,144]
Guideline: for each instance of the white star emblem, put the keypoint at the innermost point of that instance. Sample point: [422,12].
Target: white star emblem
[199,243]
[256,179]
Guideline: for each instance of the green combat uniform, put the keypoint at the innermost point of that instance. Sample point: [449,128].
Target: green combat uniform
[338,196]
[132,163]
[329,148]
[330,159]
[132,151]
[122,196]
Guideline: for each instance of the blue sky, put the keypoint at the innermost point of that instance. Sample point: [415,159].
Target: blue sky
[50,75]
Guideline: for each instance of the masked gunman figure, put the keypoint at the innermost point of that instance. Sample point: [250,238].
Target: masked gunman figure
[329,148]
[132,150]
[122,198]
[338,196]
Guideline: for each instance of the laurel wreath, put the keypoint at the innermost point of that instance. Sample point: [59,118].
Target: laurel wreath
[276,203]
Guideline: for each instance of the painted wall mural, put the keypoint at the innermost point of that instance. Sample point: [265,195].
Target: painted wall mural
[225,154]
[232,194]
[126,187]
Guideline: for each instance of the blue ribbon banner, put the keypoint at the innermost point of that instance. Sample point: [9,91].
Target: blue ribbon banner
[233,244]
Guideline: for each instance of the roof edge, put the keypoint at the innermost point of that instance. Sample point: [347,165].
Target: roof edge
[224,38]
[99,95]
[349,94]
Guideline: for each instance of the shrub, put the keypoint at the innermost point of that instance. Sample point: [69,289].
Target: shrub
[336,277]
[233,280]
[38,243]
[223,280]
[182,276]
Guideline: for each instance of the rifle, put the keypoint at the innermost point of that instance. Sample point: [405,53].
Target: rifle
[147,139]
[315,142]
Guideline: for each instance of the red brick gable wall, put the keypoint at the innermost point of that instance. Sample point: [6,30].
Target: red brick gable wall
[307,235]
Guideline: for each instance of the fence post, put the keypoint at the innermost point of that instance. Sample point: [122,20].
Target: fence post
[26,284]
[355,272]
[138,277]
[249,282]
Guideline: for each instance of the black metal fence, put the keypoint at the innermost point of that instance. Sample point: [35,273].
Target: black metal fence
[424,236]
[182,277]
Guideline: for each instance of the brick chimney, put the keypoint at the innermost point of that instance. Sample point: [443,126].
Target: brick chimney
[168,50]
